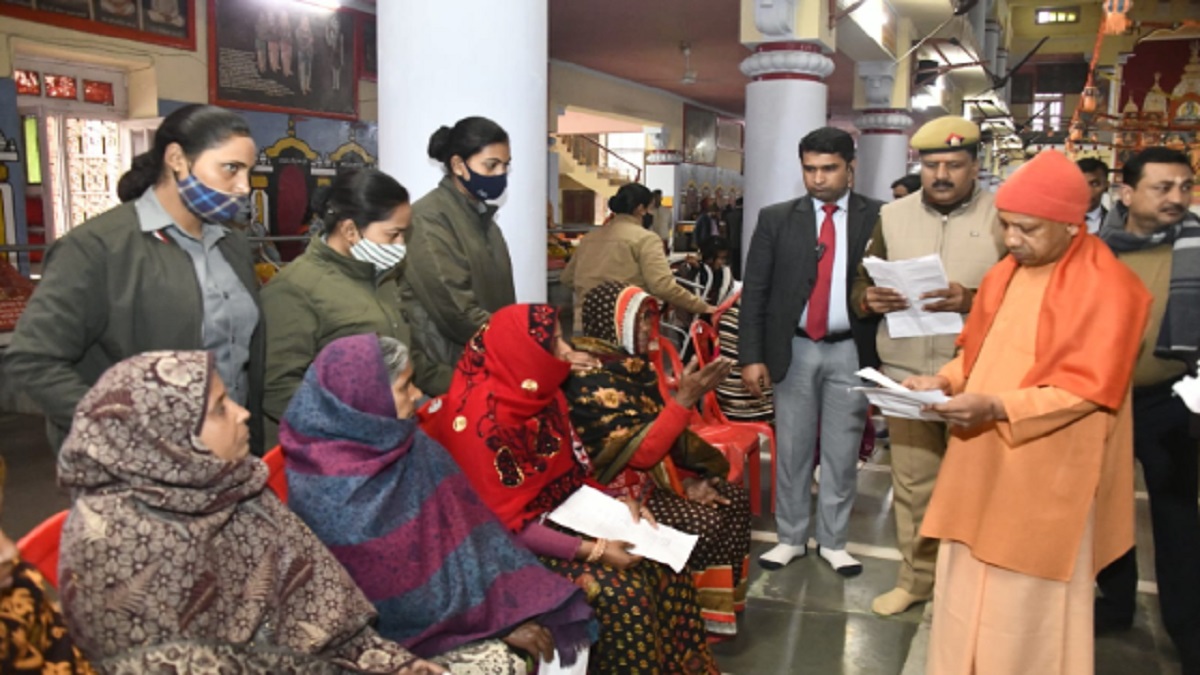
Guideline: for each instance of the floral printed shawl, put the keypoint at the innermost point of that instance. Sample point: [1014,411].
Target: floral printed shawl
[613,406]
[505,419]
[170,550]
[397,511]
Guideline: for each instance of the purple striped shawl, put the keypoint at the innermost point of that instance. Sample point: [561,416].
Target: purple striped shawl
[395,509]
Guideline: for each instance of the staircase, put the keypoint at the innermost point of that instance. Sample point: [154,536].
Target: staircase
[587,162]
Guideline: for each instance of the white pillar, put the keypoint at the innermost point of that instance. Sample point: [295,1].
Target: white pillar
[882,151]
[432,76]
[786,99]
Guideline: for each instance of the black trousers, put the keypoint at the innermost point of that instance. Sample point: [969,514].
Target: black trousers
[1162,442]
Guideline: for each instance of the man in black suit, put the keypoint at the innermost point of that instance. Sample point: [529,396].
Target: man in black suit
[1096,173]
[799,334]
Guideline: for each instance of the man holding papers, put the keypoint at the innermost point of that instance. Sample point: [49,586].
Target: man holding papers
[798,334]
[1036,490]
[953,218]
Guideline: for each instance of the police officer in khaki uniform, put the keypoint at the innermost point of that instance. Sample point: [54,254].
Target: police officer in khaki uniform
[953,217]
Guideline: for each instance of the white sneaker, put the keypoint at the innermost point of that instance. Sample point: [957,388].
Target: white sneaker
[843,563]
[781,555]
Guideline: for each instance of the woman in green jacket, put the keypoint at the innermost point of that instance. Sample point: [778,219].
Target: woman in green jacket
[345,282]
[160,271]
[459,271]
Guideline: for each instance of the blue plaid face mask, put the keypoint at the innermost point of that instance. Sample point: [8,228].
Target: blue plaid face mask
[209,205]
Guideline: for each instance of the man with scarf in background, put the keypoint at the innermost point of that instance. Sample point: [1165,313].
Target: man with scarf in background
[1036,490]
[1153,233]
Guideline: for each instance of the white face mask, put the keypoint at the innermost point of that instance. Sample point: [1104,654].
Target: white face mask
[383,256]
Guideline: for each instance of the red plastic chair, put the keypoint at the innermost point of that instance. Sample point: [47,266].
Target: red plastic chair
[277,478]
[40,547]
[740,442]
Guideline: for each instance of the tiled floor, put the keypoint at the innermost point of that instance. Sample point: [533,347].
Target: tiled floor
[801,619]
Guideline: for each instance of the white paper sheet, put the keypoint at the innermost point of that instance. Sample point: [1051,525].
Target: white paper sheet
[1189,390]
[556,667]
[894,400]
[912,278]
[595,514]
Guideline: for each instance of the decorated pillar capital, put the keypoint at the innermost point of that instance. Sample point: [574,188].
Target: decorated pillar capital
[787,61]
[884,121]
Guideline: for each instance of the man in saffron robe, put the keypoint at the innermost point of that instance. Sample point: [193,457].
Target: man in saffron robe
[1036,491]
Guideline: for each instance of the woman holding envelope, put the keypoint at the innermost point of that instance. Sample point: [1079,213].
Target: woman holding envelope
[505,421]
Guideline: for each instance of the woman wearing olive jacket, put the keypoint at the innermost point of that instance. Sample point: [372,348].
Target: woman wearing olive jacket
[160,271]
[345,283]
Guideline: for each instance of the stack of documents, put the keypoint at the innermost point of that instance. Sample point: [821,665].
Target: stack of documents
[894,400]
[913,278]
[591,512]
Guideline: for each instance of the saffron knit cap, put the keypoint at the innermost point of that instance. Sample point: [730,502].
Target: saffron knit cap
[1048,186]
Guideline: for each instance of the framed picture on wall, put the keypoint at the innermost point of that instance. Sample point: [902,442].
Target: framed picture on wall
[171,23]
[368,48]
[282,57]
[699,135]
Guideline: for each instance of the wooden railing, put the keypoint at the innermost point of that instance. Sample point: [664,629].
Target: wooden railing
[589,152]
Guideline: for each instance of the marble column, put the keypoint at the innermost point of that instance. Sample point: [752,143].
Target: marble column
[882,151]
[786,99]
[440,78]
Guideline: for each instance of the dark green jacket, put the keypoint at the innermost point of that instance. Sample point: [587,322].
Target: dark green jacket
[458,272]
[110,291]
[320,297]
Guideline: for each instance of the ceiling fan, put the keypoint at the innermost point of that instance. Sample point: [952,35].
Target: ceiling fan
[689,74]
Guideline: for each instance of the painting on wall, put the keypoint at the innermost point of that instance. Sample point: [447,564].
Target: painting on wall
[368,48]
[1160,101]
[699,135]
[167,22]
[282,57]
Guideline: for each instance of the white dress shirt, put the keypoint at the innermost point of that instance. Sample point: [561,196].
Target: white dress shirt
[839,314]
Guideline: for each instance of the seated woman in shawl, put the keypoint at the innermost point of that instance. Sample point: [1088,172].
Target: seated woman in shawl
[633,438]
[33,635]
[505,421]
[402,518]
[175,559]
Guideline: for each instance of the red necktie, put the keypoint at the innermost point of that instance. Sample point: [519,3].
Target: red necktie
[817,325]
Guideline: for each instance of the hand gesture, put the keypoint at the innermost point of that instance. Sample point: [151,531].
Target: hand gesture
[927,383]
[755,377]
[956,298]
[617,555]
[971,410]
[638,510]
[882,300]
[704,492]
[532,639]
[697,382]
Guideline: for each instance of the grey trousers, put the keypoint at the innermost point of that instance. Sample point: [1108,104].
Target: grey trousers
[815,395]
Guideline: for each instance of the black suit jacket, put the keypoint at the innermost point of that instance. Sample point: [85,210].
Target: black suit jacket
[781,271]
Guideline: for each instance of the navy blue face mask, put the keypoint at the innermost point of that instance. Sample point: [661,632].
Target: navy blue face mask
[487,188]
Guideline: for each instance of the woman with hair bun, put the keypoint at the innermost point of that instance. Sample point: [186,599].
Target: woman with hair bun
[459,270]
[345,283]
[160,271]
[625,251]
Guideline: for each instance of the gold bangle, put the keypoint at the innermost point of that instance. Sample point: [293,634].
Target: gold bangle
[597,550]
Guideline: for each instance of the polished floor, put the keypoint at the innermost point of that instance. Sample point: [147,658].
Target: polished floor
[801,619]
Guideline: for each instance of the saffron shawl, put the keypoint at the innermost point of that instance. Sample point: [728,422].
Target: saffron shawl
[396,510]
[1098,369]
[505,420]
[175,558]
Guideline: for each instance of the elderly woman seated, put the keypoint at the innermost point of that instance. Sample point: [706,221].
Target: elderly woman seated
[636,441]
[175,559]
[396,510]
[505,421]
